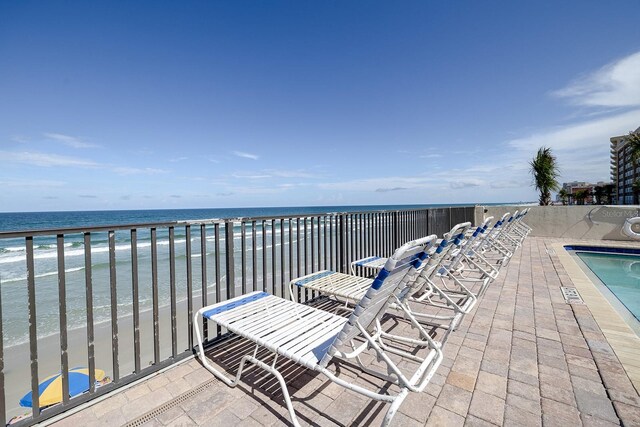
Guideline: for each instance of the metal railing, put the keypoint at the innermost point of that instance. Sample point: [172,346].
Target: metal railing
[124,295]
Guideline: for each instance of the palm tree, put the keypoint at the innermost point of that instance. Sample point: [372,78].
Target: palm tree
[564,196]
[633,142]
[598,195]
[545,174]
[581,195]
[609,189]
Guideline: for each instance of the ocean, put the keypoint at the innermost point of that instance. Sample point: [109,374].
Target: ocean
[13,272]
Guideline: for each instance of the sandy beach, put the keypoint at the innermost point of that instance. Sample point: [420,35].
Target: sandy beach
[17,358]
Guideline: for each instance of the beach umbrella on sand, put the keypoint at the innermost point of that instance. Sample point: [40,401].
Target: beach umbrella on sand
[50,389]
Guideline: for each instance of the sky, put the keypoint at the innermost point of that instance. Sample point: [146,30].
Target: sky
[152,105]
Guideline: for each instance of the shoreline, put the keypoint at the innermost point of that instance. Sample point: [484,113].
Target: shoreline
[17,369]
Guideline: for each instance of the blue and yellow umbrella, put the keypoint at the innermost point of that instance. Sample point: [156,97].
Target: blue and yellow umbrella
[50,390]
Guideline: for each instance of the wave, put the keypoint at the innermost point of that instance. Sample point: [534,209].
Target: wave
[38,276]
[17,254]
[145,307]
[50,251]
[12,249]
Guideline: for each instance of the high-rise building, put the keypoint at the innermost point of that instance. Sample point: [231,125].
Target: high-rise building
[623,173]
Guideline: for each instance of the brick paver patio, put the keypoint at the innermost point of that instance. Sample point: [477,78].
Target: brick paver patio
[523,357]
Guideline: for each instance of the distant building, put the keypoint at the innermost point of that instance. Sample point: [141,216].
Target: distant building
[574,187]
[623,173]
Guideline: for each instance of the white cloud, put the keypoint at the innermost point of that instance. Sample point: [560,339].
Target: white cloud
[137,171]
[45,159]
[20,139]
[509,184]
[466,183]
[389,190]
[34,158]
[583,135]
[373,184]
[615,85]
[255,176]
[290,173]
[245,155]
[582,147]
[430,156]
[70,141]
[31,183]
[178,159]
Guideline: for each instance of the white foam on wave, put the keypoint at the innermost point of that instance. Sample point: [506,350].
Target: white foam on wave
[14,249]
[51,252]
[38,276]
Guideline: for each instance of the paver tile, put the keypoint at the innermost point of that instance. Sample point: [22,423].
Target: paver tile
[492,384]
[225,418]
[561,411]
[523,389]
[514,416]
[454,399]
[596,405]
[440,417]
[629,415]
[487,407]
[530,405]
[183,420]
[595,387]
[463,381]
[551,391]
[169,415]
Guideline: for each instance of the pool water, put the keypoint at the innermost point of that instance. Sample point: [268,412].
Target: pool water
[620,273]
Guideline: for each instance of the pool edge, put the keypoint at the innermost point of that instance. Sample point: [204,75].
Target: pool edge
[623,340]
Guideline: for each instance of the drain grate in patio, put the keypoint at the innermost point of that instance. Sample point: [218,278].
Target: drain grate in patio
[571,295]
[144,418]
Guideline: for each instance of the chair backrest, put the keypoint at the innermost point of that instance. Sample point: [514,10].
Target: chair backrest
[470,242]
[399,269]
[451,240]
[499,226]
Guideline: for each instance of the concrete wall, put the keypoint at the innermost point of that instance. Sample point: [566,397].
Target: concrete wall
[579,222]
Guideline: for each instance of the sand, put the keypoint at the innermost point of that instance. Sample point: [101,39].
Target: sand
[17,359]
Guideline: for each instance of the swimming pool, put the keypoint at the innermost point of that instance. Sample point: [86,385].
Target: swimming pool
[618,269]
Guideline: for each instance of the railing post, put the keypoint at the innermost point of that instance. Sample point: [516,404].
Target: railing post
[342,244]
[230,265]
[396,231]
[3,412]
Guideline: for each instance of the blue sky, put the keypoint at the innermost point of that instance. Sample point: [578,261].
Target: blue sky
[132,105]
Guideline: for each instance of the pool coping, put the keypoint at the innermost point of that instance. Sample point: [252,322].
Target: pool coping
[624,341]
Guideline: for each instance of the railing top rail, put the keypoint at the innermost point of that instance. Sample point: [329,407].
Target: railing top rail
[120,227]
[102,228]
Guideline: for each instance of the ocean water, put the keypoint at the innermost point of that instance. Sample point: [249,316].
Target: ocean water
[13,272]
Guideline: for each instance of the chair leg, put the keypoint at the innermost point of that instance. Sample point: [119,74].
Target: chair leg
[246,358]
[393,408]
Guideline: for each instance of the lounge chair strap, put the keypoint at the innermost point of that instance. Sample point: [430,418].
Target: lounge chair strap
[234,304]
[308,279]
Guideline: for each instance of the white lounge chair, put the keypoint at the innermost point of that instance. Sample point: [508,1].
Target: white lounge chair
[495,246]
[312,337]
[349,289]
[468,264]
[373,262]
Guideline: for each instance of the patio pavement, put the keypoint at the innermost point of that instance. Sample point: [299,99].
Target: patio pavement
[523,357]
